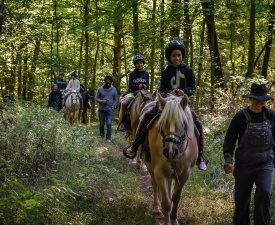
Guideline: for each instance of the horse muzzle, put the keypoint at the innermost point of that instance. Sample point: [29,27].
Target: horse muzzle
[171,153]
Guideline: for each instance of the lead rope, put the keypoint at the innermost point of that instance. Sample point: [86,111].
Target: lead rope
[173,167]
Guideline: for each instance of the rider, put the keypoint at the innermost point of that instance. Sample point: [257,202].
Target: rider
[139,79]
[177,78]
[74,84]
[62,84]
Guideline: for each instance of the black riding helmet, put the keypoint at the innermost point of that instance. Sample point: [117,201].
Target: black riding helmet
[172,45]
[138,58]
[73,74]
[61,73]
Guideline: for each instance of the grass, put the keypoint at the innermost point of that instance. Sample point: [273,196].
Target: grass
[89,183]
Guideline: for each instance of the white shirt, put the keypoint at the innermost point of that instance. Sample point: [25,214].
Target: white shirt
[73,85]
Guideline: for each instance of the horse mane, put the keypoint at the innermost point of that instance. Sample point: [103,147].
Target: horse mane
[174,113]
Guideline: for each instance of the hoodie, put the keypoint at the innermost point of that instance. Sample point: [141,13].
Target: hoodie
[181,77]
[55,100]
[138,77]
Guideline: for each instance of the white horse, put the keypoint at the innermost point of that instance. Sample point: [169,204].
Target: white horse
[72,107]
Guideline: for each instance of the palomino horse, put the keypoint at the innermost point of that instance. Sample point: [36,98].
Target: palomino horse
[174,152]
[144,99]
[72,107]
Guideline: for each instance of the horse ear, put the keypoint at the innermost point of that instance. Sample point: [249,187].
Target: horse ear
[162,102]
[184,101]
[142,94]
[155,93]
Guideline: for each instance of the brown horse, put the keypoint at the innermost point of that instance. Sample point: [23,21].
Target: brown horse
[145,98]
[174,152]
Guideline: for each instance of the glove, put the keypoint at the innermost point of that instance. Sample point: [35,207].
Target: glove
[228,163]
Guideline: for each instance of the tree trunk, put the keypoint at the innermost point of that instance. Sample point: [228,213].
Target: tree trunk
[86,20]
[31,84]
[212,53]
[19,58]
[136,31]
[80,54]
[175,16]
[200,63]
[269,42]
[152,61]
[231,50]
[208,11]
[96,54]
[25,76]
[13,69]
[251,51]
[186,30]
[117,46]
[57,32]
[2,7]
[162,61]
[52,79]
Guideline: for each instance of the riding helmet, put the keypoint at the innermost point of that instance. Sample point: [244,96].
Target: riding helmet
[172,45]
[138,58]
[73,74]
[61,73]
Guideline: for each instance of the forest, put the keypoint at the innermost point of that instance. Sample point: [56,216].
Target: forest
[227,43]
[55,173]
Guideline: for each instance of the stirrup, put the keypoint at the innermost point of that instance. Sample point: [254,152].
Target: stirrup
[132,156]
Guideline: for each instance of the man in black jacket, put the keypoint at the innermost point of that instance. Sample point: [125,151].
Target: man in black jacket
[139,79]
[55,99]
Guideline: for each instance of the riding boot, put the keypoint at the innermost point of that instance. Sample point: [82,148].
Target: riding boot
[124,104]
[201,161]
[83,117]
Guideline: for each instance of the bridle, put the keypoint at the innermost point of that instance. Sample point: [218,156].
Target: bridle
[177,139]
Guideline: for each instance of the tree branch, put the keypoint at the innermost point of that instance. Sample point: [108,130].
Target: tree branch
[107,57]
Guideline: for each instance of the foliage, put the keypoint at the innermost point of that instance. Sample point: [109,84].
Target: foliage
[68,178]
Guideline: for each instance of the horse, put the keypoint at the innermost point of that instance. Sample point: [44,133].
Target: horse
[144,99]
[72,107]
[87,96]
[174,151]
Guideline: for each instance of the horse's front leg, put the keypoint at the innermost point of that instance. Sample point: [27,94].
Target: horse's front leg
[156,210]
[177,194]
[163,185]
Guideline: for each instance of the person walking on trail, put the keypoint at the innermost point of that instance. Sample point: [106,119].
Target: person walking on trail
[6,97]
[253,126]
[62,84]
[55,99]
[139,79]
[106,96]
[177,79]
[74,84]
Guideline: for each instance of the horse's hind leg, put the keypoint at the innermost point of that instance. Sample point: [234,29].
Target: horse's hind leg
[176,196]
[156,210]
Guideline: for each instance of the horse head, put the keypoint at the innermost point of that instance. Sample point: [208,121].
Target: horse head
[144,97]
[74,97]
[175,126]
[91,95]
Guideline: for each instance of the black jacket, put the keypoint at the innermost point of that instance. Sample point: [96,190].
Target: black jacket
[181,77]
[55,100]
[137,78]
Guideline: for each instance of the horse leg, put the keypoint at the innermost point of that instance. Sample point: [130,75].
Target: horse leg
[177,194]
[156,210]
[163,185]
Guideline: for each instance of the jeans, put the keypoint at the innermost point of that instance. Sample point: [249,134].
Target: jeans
[108,115]
[252,167]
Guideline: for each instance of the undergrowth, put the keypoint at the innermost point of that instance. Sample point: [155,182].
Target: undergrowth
[52,173]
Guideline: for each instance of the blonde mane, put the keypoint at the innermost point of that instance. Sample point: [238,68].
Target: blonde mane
[174,113]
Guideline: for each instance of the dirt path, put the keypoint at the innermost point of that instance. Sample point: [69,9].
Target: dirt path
[146,186]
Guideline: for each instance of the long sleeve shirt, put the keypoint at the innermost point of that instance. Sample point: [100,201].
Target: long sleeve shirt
[73,85]
[55,100]
[181,77]
[238,126]
[102,94]
[62,84]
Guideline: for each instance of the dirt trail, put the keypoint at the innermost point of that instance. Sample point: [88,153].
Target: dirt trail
[146,187]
